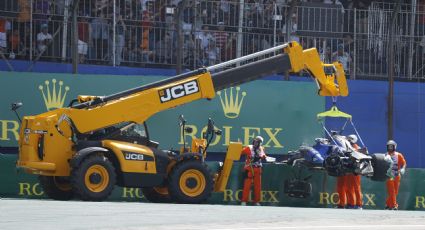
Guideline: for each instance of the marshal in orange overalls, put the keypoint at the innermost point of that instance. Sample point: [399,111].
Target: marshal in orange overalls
[349,187]
[253,170]
[393,184]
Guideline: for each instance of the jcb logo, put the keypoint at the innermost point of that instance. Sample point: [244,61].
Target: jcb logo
[133,156]
[178,91]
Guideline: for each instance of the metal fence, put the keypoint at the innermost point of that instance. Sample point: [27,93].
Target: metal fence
[145,32]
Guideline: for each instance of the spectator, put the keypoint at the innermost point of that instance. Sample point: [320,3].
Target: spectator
[213,54]
[220,36]
[14,43]
[230,48]
[25,11]
[4,26]
[43,40]
[343,57]
[326,55]
[205,36]
[198,21]
[164,49]
[83,38]
[143,4]
[99,30]
[132,50]
[147,24]
[292,31]
[189,51]
[119,40]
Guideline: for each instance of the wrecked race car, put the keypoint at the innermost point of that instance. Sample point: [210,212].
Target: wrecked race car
[335,154]
[338,158]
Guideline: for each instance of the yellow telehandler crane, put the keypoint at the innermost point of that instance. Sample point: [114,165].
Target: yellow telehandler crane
[87,148]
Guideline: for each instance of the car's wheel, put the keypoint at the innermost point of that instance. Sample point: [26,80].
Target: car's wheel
[157,194]
[380,165]
[94,178]
[333,165]
[57,188]
[190,182]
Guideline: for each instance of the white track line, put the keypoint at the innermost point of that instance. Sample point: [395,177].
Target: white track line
[325,227]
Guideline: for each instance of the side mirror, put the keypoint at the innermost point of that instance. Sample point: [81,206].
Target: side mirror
[182,121]
[16,106]
[218,132]
[188,130]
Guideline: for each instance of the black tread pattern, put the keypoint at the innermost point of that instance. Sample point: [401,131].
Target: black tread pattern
[380,167]
[52,191]
[78,183]
[153,196]
[174,187]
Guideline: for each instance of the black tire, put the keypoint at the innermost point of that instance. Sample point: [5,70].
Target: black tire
[190,182]
[380,167]
[157,194]
[56,188]
[94,179]
[297,188]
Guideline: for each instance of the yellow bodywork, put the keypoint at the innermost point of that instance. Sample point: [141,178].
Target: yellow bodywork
[233,154]
[309,60]
[119,147]
[46,140]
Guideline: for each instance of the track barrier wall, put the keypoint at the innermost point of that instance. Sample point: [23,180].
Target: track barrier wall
[17,184]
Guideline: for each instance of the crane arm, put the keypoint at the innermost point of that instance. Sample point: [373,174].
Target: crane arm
[138,104]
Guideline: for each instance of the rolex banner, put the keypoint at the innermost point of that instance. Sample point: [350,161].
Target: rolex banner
[17,184]
[284,113]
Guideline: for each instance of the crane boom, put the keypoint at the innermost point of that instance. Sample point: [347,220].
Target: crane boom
[139,103]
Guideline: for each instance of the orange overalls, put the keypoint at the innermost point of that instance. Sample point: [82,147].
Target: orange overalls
[341,185]
[355,197]
[349,189]
[253,172]
[393,184]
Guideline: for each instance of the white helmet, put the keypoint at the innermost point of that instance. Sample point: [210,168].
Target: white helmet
[391,142]
[259,138]
[352,138]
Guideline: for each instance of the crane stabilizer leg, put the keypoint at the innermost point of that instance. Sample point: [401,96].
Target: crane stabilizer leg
[233,154]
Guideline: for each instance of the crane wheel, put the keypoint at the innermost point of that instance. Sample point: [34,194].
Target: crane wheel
[94,178]
[190,182]
[57,188]
[157,194]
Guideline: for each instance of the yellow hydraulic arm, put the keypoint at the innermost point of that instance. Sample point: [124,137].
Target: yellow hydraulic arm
[138,104]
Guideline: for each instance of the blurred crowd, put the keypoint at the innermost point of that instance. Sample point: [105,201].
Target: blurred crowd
[135,32]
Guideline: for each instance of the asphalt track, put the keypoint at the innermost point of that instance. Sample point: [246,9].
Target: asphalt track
[47,214]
